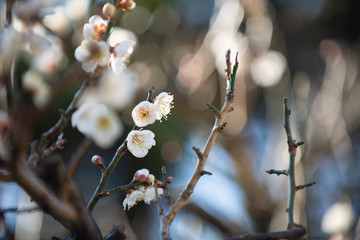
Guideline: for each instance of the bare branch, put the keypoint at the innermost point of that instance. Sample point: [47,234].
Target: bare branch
[289,234]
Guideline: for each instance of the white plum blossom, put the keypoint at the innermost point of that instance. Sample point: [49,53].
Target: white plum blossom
[146,192]
[121,54]
[132,198]
[98,122]
[150,194]
[144,113]
[35,84]
[92,53]
[113,90]
[127,5]
[139,142]
[164,104]
[95,28]
[106,126]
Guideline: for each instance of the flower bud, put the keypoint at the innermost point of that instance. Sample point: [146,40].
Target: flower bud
[159,184]
[97,160]
[150,178]
[169,180]
[109,10]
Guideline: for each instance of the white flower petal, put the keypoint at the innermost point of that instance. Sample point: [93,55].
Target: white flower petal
[139,142]
[144,114]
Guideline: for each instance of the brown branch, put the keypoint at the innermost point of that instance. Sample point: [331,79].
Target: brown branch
[300,187]
[78,156]
[289,234]
[167,219]
[56,130]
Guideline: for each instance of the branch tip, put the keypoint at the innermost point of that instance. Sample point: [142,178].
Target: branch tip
[212,108]
[198,152]
[277,172]
[203,172]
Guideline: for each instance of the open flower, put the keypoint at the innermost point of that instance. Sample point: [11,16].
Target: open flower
[92,53]
[132,198]
[106,126]
[113,90]
[139,142]
[150,194]
[146,192]
[144,113]
[164,104]
[35,84]
[95,28]
[121,54]
[99,123]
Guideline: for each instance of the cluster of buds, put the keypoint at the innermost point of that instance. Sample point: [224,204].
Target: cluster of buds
[145,192]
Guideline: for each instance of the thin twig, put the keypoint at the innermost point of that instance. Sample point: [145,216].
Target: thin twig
[300,187]
[108,192]
[278,172]
[78,156]
[292,144]
[289,234]
[105,177]
[19,211]
[167,219]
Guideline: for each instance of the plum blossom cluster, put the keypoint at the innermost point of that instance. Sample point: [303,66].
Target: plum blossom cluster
[140,141]
[146,192]
[96,115]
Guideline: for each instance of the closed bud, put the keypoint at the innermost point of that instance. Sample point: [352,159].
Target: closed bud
[109,10]
[159,184]
[97,160]
[150,178]
[169,180]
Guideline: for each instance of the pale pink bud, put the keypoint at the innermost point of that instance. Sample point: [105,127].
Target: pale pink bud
[97,160]
[109,10]
[170,180]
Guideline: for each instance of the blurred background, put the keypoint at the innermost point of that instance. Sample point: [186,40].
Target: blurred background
[305,50]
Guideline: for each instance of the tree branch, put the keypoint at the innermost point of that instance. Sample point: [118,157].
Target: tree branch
[167,219]
[289,234]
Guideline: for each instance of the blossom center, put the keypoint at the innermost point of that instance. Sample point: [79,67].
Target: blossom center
[143,113]
[103,122]
[99,30]
[138,140]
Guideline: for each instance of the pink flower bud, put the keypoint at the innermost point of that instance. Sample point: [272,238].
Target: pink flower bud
[169,180]
[97,160]
[109,10]
[159,184]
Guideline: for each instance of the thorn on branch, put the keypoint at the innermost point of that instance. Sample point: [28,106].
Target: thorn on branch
[277,172]
[299,143]
[297,188]
[198,152]
[212,108]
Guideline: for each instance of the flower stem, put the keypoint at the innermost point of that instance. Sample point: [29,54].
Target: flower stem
[107,173]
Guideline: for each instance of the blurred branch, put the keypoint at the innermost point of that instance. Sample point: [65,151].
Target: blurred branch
[78,156]
[59,126]
[8,12]
[300,187]
[289,234]
[17,211]
[167,219]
